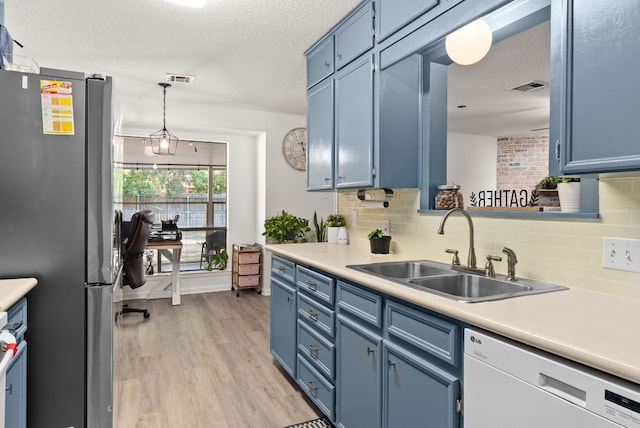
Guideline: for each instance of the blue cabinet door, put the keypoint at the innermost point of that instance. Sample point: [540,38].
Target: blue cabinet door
[595,59]
[354,124]
[283,325]
[16,390]
[358,382]
[416,392]
[320,146]
[354,36]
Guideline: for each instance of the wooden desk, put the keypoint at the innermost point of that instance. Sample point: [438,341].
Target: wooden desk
[171,250]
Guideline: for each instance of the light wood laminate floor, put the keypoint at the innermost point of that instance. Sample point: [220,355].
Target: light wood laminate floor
[204,363]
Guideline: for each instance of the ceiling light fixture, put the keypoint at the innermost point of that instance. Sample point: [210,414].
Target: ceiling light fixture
[469,44]
[164,142]
[188,3]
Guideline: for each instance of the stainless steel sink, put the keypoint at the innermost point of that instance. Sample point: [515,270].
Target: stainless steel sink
[441,279]
[404,270]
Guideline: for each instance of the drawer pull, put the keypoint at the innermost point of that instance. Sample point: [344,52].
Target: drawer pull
[327,64]
[370,351]
[289,298]
[312,314]
[313,388]
[391,363]
[314,349]
[9,389]
[281,268]
[311,284]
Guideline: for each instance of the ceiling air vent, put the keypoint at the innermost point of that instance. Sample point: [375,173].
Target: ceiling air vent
[179,78]
[534,85]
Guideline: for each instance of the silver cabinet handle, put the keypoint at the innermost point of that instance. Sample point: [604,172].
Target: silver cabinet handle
[391,363]
[370,351]
[311,284]
[312,314]
[281,268]
[313,388]
[327,64]
[313,349]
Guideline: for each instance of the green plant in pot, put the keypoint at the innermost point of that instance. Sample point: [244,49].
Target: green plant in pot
[379,242]
[321,228]
[334,223]
[286,227]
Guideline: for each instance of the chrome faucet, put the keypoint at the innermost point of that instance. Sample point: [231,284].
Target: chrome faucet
[511,263]
[471,259]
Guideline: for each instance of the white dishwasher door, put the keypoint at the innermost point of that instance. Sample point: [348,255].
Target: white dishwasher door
[507,386]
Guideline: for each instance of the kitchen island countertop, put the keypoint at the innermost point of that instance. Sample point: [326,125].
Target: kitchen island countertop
[593,328]
[12,290]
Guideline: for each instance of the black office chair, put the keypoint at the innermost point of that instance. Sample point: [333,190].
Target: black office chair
[215,242]
[135,242]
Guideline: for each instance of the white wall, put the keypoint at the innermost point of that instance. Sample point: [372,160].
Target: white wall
[471,162]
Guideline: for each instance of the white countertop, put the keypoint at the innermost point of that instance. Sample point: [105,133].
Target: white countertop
[12,290]
[597,329]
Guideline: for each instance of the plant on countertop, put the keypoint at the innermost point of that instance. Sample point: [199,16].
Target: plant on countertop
[286,227]
[379,242]
[321,228]
[550,183]
[375,234]
[336,220]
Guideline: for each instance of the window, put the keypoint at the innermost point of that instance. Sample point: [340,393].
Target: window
[197,194]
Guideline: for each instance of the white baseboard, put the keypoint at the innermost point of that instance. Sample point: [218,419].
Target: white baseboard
[158,286]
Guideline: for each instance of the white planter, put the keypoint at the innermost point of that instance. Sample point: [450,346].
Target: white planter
[569,195]
[332,235]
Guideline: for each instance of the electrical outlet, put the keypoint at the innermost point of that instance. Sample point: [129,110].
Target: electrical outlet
[621,254]
[386,227]
[354,217]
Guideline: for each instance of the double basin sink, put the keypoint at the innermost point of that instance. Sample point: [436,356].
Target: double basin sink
[452,282]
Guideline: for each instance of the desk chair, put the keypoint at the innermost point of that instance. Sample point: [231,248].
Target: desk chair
[133,258]
[216,241]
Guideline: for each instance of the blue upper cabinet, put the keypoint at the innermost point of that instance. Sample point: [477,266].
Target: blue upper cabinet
[320,146]
[594,97]
[320,61]
[354,125]
[354,36]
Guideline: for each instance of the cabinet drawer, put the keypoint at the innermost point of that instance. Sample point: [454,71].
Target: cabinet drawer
[321,287]
[248,280]
[318,350]
[17,319]
[321,391]
[320,61]
[363,304]
[249,269]
[428,333]
[248,258]
[316,314]
[355,36]
[283,269]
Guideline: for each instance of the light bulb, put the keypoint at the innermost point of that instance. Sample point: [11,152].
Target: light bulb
[164,144]
[469,44]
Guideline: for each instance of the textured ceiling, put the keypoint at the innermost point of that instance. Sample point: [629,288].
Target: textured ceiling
[249,54]
[244,53]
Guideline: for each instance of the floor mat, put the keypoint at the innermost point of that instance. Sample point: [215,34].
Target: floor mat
[316,423]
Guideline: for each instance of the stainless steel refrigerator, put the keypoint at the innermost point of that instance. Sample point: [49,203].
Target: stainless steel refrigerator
[57,224]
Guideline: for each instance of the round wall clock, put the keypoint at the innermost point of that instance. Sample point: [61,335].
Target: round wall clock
[294,148]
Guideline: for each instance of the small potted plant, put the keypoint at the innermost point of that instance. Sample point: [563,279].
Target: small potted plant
[219,260]
[334,223]
[379,242]
[569,194]
[286,227]
[321,228]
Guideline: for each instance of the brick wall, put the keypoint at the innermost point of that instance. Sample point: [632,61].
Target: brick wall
[521,162]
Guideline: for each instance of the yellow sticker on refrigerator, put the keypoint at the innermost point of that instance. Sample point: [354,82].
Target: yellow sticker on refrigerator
[57,107]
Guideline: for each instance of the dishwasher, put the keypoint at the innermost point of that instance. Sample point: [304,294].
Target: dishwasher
[508,384]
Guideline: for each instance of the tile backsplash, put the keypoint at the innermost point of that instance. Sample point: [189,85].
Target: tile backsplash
[563,251]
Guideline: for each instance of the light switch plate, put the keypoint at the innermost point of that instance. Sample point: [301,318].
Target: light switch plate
[621,254]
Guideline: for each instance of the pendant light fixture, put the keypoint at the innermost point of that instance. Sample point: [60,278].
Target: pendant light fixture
[164,142]
[470,43]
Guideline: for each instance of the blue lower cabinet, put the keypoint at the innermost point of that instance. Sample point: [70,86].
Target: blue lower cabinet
[283,325]
[358,381]
[16,390]
[321,391]
[416,392]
